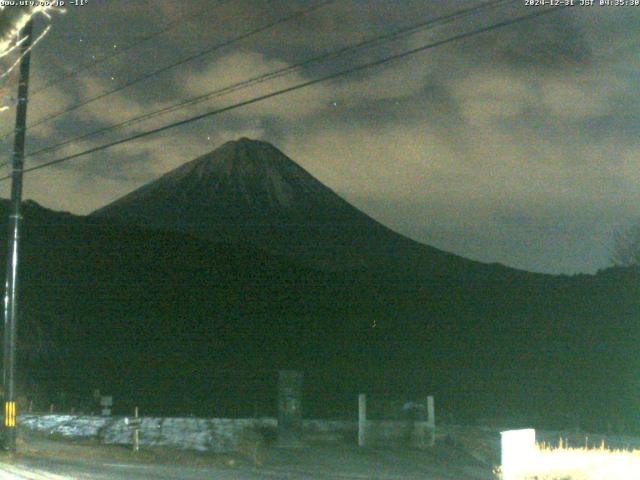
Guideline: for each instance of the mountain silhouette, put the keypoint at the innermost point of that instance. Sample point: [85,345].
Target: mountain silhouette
[249,191]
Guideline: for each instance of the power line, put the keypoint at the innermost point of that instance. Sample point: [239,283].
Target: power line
[295,87]
[151,36]
[282,72]
[181,62]
[283,91]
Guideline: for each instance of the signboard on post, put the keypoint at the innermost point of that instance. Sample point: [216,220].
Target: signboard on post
[106,403]
[134,425]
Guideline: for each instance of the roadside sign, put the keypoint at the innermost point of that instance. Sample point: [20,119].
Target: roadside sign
[132,423]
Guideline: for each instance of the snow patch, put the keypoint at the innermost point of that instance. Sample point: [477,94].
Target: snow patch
[218,435]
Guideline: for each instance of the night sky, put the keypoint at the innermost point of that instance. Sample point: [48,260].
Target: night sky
[517,146]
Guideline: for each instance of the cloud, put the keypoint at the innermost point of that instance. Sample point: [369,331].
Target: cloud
[517,146]
[471,193]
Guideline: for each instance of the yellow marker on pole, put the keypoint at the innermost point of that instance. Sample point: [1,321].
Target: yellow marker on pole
[9,414]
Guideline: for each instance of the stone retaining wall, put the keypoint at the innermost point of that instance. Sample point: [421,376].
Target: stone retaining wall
[219,435]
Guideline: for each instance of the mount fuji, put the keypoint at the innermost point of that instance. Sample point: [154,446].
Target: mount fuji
[248,191]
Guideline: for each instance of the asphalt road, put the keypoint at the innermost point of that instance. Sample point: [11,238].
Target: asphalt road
[55,470]
[61,461]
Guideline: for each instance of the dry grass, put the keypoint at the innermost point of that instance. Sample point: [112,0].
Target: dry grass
[564,463]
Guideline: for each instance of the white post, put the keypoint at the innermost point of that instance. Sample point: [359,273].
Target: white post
[136,434]
[431,419]
[362,419]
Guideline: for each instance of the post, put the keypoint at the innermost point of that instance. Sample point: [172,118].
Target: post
[133,424]
[11,292]
[431,420]
[362,420]
[136,433]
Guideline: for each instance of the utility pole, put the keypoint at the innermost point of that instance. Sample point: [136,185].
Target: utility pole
[11,294]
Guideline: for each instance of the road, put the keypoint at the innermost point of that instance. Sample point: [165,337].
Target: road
[61,461]
[57,470]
